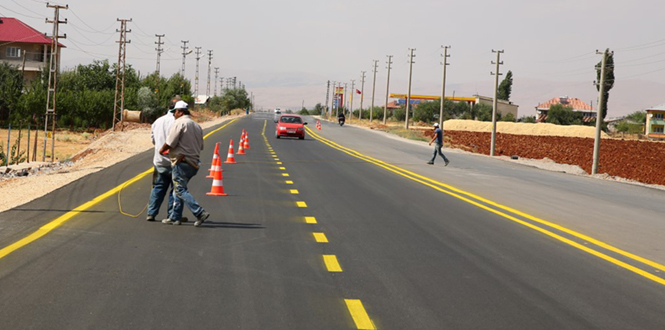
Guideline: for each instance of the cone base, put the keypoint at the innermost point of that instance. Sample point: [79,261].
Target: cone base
[227,162]
[216,194]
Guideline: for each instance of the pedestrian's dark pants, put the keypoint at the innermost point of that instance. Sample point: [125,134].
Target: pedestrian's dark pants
[437,150]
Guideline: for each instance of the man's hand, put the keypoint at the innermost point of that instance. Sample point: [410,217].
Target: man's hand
[164,150]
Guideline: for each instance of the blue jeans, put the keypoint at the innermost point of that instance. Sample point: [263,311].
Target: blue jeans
[437,150]
[181,174]
[161,183]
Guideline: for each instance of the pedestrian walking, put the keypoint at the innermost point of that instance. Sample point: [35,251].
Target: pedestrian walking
[184,144]
[161,175]
[438,140]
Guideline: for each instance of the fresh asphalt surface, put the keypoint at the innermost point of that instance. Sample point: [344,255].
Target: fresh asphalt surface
[415,257]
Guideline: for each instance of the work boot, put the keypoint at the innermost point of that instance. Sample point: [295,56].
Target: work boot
[201,218]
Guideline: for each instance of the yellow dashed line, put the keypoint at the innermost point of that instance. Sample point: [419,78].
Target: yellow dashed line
[331,263]
[311,220]
[276,158]
[301,204]
[285,174]
[320,237]
[294,191]
[288,182]
[359,314]
[279,163]
[282,168]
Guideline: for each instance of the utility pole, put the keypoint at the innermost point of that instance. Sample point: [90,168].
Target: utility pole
[385,107]
[119,103]
[54,65]
[443,83]
[340,99]
[159,50]
[496,94]
[599,113]
[408,95]
[216,74]
[333,104]
[221,85]
[196,76]
[362,95]
[371,109]
[209,67]
[346,99]
[184,56]
[325,107]
[234,82]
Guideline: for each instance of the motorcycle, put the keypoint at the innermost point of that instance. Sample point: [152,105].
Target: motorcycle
[341,122]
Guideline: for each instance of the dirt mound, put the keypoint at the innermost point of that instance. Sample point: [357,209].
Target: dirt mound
[634,160]
[539,129]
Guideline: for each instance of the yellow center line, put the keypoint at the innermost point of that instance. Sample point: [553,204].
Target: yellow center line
[288,182]
[311,220]
[85,206]
[282,168]
[331,263]
[301,204]
[285,174]
[320,237]
[279,163]
[359,314]
[458,193]
[294,191]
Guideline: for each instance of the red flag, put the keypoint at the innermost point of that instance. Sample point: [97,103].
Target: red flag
[357,91]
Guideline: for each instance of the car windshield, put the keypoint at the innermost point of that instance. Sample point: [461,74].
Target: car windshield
[291,120]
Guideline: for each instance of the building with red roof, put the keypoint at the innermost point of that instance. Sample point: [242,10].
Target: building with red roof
[576,104]
[24,47]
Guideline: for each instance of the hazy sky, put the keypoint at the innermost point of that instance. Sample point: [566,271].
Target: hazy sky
[278,48]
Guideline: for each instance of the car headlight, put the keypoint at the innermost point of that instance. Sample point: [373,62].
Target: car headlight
[282,128]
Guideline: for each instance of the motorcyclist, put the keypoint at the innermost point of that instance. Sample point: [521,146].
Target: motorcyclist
[341,117]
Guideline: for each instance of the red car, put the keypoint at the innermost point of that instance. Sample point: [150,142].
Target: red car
[290,125]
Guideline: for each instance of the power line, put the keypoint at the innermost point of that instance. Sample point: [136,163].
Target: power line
[90,27]
[26,8]
[15,12]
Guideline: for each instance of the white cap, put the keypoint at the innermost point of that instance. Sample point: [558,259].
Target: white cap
[436,124]
[181,105]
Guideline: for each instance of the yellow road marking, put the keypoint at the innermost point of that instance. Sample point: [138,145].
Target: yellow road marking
[279,163]
[277,159]
[311,220]
[331,263]
[65,217]
[288,182]
[359,314]
[320,237]
[301,204]
[282,168]
[285,174]
[274,156]
[294,191]
[457,193]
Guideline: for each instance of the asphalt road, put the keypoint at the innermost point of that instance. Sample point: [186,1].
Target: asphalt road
[395,247]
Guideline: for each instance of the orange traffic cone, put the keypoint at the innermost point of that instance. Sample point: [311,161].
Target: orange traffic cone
[241,149]
[217,188]
[216,163]
[230,158]
[246,141]
[318,125]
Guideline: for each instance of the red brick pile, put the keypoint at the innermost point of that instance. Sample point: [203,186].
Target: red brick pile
[642,161]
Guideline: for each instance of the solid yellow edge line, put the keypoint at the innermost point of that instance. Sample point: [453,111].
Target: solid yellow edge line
[45,229]
[359,314]
[331,263]
[320,237]
[422,180]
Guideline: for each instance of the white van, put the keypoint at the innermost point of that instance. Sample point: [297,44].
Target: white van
[278,112]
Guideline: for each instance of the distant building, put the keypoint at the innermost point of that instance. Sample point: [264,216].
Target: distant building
[503,107]
[24,47]
[571,102]
[655,122]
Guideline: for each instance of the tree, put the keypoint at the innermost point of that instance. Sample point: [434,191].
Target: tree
[483,112]
[609,79]
[234,99]
[11,84]
[505,87]
[508,117]
[427,112]
[561,115]
[638,117]
[527,119]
